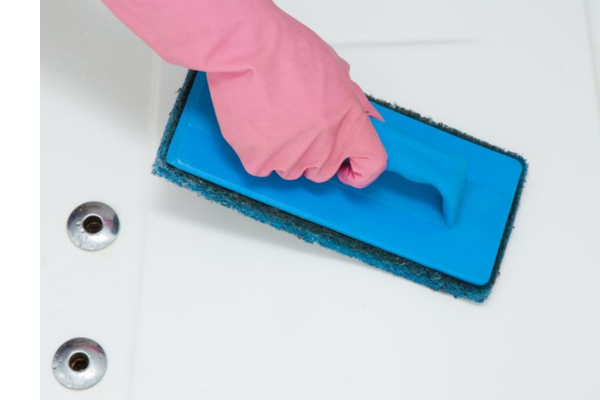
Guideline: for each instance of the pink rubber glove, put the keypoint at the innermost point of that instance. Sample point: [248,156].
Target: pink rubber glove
[283,97]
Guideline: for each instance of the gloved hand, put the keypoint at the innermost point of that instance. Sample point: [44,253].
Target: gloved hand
[283,97]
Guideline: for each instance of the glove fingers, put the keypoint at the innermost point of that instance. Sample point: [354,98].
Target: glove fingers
[361,161]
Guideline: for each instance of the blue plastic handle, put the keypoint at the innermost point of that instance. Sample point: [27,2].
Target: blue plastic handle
[419,162]
[391,214]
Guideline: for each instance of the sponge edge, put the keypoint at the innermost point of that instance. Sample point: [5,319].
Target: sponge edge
[314,233]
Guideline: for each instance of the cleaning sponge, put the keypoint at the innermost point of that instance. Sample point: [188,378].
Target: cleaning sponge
[315,233]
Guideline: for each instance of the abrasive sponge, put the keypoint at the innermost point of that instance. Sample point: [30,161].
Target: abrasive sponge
[315,233]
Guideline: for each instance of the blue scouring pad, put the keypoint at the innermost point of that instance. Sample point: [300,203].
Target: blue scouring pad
[440,216]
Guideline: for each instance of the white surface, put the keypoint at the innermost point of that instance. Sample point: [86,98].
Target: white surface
[593,22]
[195,301]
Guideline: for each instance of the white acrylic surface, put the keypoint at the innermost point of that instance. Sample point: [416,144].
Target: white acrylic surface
[195,301]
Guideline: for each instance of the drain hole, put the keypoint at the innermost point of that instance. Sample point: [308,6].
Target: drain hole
[79,362]
[92,224]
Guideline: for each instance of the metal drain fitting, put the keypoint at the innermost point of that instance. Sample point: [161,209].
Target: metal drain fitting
[79,363]
[93,226]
